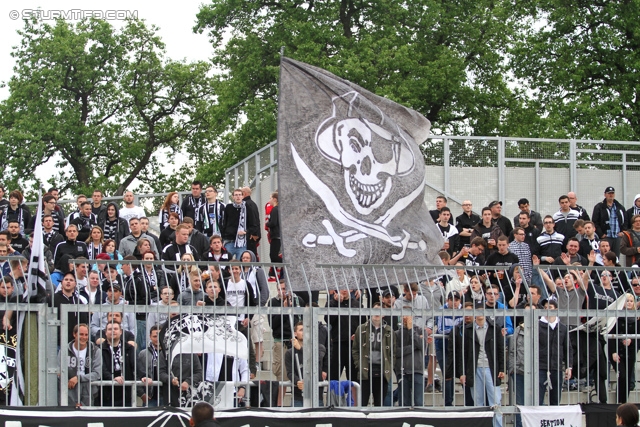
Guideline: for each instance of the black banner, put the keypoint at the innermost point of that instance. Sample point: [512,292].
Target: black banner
[173,417]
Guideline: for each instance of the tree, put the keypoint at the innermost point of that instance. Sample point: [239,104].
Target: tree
[581,62]
[104,101]
[444,59]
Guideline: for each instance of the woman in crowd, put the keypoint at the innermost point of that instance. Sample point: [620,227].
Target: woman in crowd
[15,210]
[95,242]
[143,246]
[153,276]
[476,289]
[171,204]
[165,235]
[109,248]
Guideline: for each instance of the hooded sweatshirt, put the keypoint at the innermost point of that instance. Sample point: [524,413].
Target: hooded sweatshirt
[255,277]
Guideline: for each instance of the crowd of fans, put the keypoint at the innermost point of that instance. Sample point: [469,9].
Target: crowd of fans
[546,262]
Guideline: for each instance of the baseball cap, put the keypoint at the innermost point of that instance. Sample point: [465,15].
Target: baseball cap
[454,295]
[609,190]
[495,202]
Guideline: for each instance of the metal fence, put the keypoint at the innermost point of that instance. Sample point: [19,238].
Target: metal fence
[486,168]
[389,343]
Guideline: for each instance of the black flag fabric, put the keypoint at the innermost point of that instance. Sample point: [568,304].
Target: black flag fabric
[351,179]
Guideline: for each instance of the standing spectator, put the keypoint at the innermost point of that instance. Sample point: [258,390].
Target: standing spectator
[118,365]
[160,315]
[170,205]
[282,331]
[239,293]
[130,210]
[49,208]
[343,327]
[144,227]
[115,227]
[213,212]
[522,250]
[573,204]
[505,259]
[196,238]
[373,358]
[236,224]
[80,199]
[630,245]
[293,361]
[549,242]
[85,221]
[565,218]
[482,362]
[623,350]
[193,204]
[84,367]
[273,224]
[148,367]
[633,210]
[531,232]
[590,242]
[99,318]
[554,349]
[448,231]
[174,251]
[50,237]
[465,222]
[185,373]
[409,363]
[97,208]
[609,218]
[256,278]
[441,202]
[501,221]
[153,277]
[17,242]
[218,253]
[16,211]
[253,221]
[444,325]
[535,219]
[70,246]
[194,296]
[68,295]
[168,234]
[487,230]
[95,242]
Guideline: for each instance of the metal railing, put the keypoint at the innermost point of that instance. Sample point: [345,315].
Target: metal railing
[339,328]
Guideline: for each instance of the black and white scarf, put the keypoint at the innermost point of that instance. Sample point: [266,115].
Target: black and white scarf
[241,240]
[196,204]
[94,250]
[116,355]
[111,229]
[212,217]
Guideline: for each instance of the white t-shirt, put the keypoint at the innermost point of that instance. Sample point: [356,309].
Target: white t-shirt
[134,212]
[235,294]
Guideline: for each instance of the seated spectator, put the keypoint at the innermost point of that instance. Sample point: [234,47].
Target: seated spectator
[549,242]
[179,281]
[185,373]
[168,234]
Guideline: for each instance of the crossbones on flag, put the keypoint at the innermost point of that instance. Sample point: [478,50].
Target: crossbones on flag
[351,178]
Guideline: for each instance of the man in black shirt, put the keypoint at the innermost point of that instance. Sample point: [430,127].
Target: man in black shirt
[501,221]
[465,222]
[192,205]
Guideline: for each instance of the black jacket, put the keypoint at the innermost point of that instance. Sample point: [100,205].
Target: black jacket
[600,216]
[119,224]
[344,325]
[74,249]
[554,347]
[467,360]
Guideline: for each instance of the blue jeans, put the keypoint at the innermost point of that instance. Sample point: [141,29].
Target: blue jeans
[483,387]
[555,393]
[141,334]
[412,390]
[518,385]
[441,344]
[236,252]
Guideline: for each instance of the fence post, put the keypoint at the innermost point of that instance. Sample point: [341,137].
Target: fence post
[310,359]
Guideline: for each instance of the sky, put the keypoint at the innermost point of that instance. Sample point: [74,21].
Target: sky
[175,23]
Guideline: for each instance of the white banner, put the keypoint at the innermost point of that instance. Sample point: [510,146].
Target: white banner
[551,416]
